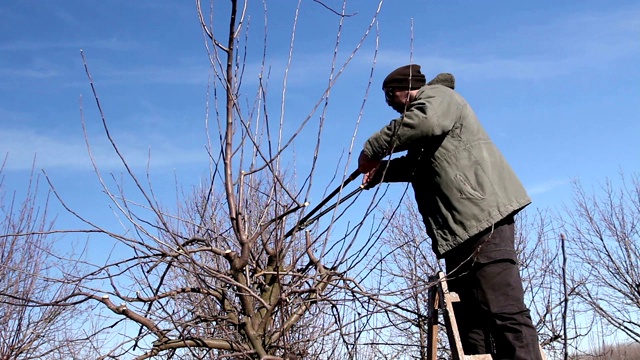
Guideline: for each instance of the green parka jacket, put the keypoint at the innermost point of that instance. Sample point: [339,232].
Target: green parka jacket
[462,183]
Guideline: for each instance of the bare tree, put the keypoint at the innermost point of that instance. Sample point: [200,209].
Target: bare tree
[406,263]
[604,233]
[550,285]
[611,352]
[30,276]
[235,269]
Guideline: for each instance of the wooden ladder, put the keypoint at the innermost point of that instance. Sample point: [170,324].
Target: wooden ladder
[441,299]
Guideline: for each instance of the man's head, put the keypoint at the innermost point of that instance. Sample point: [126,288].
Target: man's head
[400,85]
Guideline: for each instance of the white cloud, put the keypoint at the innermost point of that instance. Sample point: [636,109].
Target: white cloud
[29,73]
[67,152]
[547,186]
[153,74]
[559,46]
[114,44]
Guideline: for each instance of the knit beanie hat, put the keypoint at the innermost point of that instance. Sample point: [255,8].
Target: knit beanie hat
[405,77]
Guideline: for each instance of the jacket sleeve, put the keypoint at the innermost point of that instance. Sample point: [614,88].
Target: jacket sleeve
[421,121]
[395,170]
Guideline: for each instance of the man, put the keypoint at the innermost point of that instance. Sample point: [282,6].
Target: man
[467,195]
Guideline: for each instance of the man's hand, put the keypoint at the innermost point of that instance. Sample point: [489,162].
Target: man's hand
[372,178]
[369,168]
[365,164]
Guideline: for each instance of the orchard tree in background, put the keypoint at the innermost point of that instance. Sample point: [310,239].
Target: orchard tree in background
[550,290]
[603,230]
[30,278]
[406,263]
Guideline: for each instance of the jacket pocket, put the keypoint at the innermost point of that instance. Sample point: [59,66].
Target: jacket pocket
[467,191]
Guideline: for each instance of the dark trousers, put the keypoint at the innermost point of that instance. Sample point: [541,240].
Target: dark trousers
[491,315]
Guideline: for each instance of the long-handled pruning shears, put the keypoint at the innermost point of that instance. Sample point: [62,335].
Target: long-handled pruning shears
[311,217]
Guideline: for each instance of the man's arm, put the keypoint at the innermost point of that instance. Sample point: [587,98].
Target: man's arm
[423,120]
[395,170]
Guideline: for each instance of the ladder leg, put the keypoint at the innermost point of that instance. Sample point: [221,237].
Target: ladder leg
[457,352]
[448,298]
[432,320]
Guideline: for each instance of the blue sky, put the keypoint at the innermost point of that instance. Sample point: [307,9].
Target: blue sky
[556,84]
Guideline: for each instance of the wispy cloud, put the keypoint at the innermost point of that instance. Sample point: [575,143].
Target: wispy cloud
[546,186]
[560,46]
[189,72]
[29,73]
[70,152]
[113,44]
[154,74]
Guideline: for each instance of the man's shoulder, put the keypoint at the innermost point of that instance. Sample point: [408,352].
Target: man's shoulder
[439,93]
[436,89]
[444,79]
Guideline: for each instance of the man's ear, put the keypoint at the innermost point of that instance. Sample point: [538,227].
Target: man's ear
[445,79]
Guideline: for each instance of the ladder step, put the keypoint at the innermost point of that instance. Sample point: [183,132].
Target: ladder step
[478,357]
[453,296]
